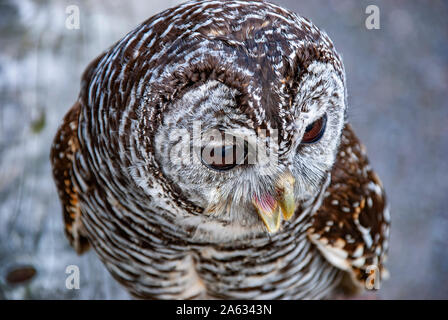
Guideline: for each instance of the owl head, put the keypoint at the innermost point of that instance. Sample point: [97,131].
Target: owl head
[238,109]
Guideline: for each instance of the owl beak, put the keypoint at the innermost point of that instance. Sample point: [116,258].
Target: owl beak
[270,208]
[285,191]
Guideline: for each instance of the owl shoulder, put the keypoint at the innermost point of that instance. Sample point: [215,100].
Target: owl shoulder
[63,151]
[351,228]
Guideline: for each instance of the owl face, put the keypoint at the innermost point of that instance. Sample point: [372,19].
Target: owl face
[250,110]
[241,174]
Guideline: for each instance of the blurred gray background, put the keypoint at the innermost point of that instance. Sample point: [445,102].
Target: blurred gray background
[397,84]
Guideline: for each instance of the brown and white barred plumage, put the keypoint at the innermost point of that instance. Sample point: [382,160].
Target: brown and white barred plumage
[151,233]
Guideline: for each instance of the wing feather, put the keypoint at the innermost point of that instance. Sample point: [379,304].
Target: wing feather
[64,148]
[351,228]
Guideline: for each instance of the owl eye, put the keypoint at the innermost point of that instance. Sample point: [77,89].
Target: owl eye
[224,158]
[315,131]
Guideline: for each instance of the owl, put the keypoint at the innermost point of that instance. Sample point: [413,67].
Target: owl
[209,155]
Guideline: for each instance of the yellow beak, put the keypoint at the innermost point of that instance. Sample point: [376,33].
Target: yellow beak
[269,207]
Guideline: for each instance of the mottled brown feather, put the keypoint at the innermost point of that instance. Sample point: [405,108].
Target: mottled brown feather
[352,200]
[65,146]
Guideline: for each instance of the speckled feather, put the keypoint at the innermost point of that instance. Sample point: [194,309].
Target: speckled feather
[351,228]
[270,69]
[63,151]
